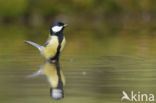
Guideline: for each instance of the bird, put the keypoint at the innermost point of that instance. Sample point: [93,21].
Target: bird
[54,45]
[54,76]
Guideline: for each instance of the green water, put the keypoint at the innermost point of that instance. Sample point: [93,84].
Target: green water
[97,68]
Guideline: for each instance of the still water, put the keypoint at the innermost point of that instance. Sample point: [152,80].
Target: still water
[95,70]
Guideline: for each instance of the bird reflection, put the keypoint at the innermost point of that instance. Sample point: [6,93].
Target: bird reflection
[55,77]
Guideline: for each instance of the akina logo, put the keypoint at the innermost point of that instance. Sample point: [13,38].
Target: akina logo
[137,96]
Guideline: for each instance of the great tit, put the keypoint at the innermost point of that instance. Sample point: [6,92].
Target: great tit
[55,44]
[55,77]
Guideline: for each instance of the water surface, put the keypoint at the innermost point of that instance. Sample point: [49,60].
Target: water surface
[97,70]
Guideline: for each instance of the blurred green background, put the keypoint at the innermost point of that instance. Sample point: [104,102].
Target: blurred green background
[110,48]
[92,23]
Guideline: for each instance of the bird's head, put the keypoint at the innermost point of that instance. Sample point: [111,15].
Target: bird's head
[57,27]
[57,94]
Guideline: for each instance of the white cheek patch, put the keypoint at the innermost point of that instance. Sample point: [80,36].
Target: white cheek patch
[56,28]
[57,94]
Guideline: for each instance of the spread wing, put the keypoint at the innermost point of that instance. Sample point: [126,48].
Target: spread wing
[47,42]
[39,47]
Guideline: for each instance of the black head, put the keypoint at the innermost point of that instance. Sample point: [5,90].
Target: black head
[57,27]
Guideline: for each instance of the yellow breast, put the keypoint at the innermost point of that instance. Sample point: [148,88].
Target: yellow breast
[51,49]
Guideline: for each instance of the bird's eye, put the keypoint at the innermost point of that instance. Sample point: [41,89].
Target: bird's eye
[60,24]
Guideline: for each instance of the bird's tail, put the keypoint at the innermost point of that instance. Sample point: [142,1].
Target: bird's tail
[39,47]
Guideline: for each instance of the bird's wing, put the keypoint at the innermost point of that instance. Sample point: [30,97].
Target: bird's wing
[39,47]
[47,42]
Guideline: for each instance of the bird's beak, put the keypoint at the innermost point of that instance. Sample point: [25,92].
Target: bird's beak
[65,25]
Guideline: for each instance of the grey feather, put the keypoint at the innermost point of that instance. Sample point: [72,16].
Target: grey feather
[47,42]
[39,47]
